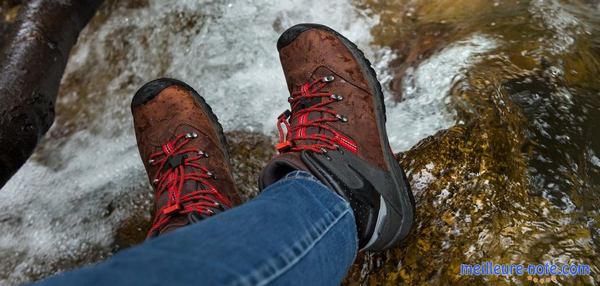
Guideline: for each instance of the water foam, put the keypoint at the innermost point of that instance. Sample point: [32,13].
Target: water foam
[557,19]
[235,64]
[426,89]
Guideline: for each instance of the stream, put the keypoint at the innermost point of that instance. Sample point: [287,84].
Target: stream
[493,107]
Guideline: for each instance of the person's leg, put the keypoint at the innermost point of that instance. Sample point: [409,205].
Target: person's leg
[296,228]
[335,187]
[296,231]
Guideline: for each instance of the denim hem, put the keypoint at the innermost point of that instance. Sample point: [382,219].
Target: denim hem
[302,175]
[319,230]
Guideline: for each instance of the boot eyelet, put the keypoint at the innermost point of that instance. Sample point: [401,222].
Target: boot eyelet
[151,161]
[336,97]
[324,152]
[191,135]
[341,118]
[202,154]
[155,181]
[328,78]
[339,149]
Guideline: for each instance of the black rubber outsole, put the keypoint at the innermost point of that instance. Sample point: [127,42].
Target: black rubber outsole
[288,37]
[151,89]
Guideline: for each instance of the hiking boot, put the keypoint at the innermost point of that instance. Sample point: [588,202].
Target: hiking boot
[336,131]
[185,154]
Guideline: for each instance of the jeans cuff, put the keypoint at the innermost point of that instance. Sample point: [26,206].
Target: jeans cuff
[301,175]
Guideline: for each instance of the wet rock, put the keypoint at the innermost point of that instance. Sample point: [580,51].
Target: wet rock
[250,152]
[32,65]
[8,14]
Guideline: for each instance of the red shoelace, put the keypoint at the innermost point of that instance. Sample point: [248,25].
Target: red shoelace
[174,163]
[297,131]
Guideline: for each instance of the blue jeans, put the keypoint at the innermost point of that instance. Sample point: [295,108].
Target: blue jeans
[295,232]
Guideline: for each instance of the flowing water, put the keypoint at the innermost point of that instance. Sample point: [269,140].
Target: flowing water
[525,72]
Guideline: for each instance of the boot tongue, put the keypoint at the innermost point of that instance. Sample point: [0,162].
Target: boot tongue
[178,220]
[175,222]
[306,102]
[303,104]
[280,166]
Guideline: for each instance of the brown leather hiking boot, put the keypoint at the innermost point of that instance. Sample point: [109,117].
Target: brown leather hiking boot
[184,152]
[336,131]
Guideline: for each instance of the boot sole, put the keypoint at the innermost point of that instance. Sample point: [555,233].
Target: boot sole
[151,89]
[391,226]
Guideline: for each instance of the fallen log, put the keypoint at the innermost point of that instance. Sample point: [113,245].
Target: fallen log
[33,60]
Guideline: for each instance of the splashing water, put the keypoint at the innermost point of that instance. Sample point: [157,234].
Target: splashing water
[68,203]
[426,91]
